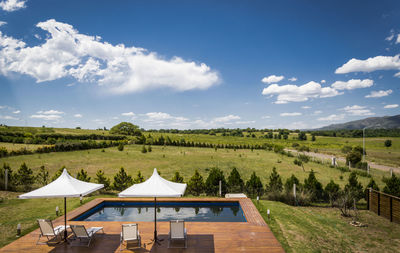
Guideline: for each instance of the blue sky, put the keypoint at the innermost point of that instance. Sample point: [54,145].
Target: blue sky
[198,64]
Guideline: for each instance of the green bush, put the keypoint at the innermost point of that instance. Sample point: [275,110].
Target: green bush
[24,177]
[83,176]
[139,178]
[354,188]
[392,186]
[43,176]
[212,182]
[101,179]
[120,146]
[196,185]
[122,180]
[275,182]
[332,191]
[177,178]
[235,182]
[254,187]
[312,185]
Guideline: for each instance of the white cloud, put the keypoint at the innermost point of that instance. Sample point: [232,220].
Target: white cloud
[317,112]
[357,110]
[78,115]
[50,112]
[17,112]
[12,5]
[118,69]
[293,79]
[352,84]
[227,118]
[290,114]
[2,23]
[391,106]
[370,64]
[272,79]
[306,107]
[323,81]
[266,117]
[46,117]
[129,114]
[378,94]
[332,117]
[7,117]
[245,122]
[294,93]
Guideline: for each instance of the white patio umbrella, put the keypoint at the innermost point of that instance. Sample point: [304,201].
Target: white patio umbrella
[64,186]
[155,186]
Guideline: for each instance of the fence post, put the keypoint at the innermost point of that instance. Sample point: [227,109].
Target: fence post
[369,195]
[391,209]
[379,203]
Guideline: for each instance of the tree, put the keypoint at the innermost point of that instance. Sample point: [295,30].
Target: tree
[24,177]
[332,191]
[254,186]
[139,178]
[372,184]
[122,180]
[144,150]
[290,182]
[301,160]
[196,184]
[83,176]
[235,182]
[302,136]
[101,179]
[388,143]
[58,173]
[392,186]
[120,146]
[212,182]
[354,188]
[354,157]
[313,137]
[126,128]
[312,185]
[43,176]
[149,149]
[275,181]
[177,178]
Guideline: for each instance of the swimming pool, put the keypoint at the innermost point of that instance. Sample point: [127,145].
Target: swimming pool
[144,211]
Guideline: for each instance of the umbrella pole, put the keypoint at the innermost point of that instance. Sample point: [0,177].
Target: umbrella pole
[155,219]
[65,219]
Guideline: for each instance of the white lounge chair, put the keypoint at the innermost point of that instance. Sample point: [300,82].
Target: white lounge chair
[130,233]
[47,229]
[81,233]
[177,232]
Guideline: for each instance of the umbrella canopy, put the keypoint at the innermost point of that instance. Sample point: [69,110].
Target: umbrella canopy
[155,186]
[63,186]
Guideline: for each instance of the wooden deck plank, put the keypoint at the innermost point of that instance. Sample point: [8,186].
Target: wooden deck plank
[251,236]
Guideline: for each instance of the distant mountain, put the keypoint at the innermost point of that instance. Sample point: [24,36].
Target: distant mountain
[386,122]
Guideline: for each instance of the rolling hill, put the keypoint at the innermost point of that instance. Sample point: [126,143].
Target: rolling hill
[386,122]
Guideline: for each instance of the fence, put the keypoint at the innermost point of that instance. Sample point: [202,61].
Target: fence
[384,205]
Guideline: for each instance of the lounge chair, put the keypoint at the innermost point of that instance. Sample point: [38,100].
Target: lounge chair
[81,233]
[47,229]
[177,232]
[130,233]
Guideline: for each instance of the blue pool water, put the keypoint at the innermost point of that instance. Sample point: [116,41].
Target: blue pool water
[144,211]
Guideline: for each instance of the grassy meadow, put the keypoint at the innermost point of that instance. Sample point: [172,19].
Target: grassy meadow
[183,159]
[320,229]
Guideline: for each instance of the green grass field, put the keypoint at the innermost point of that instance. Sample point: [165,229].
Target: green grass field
[185,160]
[319,229]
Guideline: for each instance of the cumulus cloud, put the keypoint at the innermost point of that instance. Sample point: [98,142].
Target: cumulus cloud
[17,112]
[393,36]
[46,117]
[227,118]
[245,122]
[352,84]
[370,64]
[128,114]
[290,114]
[317,112]
[378,94]
[117,68]
[293,79]
[293,93]
[323,81]
[357,110]
[2,23]
[78,115]
[50,112]
[12,5]
[391,106]
[306,107]
[332,117]
[272,79]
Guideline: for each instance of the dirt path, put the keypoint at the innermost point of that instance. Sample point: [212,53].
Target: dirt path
[342,159]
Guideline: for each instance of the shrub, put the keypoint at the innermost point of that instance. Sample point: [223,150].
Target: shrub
[235,182]
[177,177]
[343,169]
[212,182]
[24,177]
[302,136]
[58,173]
[275,182]
[346,149]
[332,192]
[392,186]
[139,178]
[354,188]
[43,176]
[372,184]
[149,149]
[83,176]
[120,146]
[101,179]
[312,185]
[196,184]
[254,187]
[289,184]
[3,152]
[144,150]
[388,143]
[122,180]
[362,165]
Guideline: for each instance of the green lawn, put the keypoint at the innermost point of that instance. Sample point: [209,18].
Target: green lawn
[319,229]
[185,160]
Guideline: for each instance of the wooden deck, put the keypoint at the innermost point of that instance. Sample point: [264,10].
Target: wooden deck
[251,236]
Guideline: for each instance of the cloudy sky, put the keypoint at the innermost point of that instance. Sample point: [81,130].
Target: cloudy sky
[198,64]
